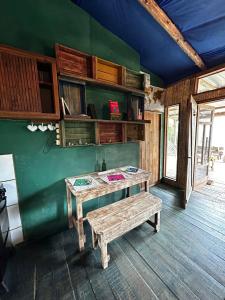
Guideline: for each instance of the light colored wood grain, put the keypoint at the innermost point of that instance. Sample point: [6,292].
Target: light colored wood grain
[101,190]
[150,147]
[104,188]
[114,220]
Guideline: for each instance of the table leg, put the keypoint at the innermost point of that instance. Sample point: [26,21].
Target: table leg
[80,226]
[69,207]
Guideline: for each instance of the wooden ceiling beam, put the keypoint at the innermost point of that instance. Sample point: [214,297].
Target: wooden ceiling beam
[219,114]
[161,17]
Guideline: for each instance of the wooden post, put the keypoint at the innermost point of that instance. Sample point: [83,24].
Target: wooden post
[69,206]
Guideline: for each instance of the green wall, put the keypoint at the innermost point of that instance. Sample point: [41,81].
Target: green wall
[41,168]
[40,165]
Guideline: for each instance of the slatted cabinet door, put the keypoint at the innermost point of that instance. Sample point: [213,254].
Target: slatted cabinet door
[28,85]
[19,88]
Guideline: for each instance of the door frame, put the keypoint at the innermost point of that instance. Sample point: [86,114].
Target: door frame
[192,110]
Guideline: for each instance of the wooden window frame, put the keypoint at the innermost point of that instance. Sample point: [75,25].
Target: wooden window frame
[205,75]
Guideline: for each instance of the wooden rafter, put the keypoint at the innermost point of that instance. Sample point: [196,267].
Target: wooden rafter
[217,114]
[161,17]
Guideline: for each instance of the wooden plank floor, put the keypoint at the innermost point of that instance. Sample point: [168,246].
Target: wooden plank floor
[216,191]
[185,260]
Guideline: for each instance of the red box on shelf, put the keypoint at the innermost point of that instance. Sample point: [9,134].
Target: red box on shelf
[113,106]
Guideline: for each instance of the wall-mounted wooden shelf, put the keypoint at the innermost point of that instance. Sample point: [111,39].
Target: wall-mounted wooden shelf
[104,84]
[96,71]
[73,118]
[107,71]
[135,132]
[134,79]
[110,133]
[29,85]
[77,132]
[73,62]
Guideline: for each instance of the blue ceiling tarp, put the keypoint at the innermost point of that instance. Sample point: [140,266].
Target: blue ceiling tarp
[201,22]
[203,25]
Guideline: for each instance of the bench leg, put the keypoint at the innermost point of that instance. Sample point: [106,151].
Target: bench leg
[128,192]
[104,253]
[157,222]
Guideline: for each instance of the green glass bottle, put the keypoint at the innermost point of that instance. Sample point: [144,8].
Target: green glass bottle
[103,165]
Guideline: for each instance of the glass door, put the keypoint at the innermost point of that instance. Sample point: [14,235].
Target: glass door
[203,143]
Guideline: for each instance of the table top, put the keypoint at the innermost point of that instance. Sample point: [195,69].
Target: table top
[102,188]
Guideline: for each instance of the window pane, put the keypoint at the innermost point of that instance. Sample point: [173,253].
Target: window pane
[172,141]
[206,144]
[200,144]
[211,82]
[205,115]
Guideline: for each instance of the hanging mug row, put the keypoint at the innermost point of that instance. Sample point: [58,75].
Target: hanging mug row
[42,127]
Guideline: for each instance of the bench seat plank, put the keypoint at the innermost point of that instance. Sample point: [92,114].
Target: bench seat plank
[111,216]
[116,219]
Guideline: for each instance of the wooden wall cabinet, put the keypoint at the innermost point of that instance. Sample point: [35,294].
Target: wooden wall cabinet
[110,133]
[107,71]
[73,62]
[135,132]
[73,94]
[134,79]
[77,133]
[135,106]
[29,88]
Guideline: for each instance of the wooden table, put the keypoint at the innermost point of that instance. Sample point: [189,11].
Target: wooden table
[101,190]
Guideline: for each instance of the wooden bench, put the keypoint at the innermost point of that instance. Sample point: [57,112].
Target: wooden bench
[111,221]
